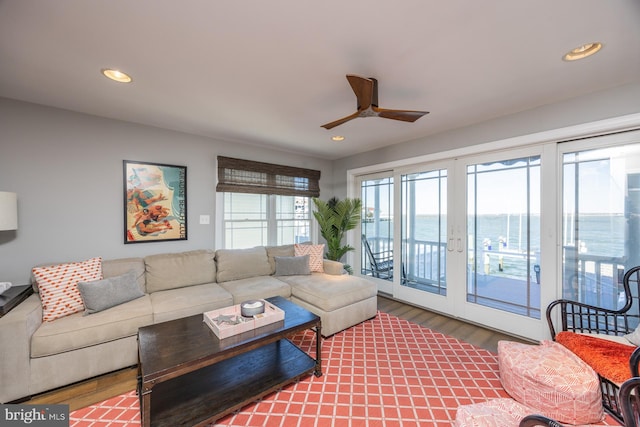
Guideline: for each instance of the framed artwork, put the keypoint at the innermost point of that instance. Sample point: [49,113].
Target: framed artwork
[155,202]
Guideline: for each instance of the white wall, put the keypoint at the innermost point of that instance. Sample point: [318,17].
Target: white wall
[620,101]
[67,171]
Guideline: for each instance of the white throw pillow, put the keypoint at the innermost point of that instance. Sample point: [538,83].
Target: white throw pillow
[58,286]
[316,255]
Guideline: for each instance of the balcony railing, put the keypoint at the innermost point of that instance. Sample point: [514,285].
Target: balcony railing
[593,279]
[514,277]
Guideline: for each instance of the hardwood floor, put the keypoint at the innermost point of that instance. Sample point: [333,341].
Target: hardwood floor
[90,391]
[464,331]
[101,388]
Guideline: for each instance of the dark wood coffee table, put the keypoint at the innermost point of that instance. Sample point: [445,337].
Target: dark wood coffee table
[187,376]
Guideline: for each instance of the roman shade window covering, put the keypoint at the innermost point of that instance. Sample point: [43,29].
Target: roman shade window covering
[246,176]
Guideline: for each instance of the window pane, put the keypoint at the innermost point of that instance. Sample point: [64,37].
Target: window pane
[293,220]
[600,223]
[424,231]
[377,228]
[243,206]
[262,220]
[245,220]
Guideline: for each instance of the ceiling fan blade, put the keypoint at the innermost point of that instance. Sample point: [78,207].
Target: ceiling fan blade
[403,115]
[363,88]
[341,121]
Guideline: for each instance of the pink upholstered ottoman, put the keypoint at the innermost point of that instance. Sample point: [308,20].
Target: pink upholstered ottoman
[503,412]
[551,380]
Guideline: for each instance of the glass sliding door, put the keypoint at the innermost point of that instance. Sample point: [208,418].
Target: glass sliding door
[424,231]
[503,235]
[600,223]
[493,237]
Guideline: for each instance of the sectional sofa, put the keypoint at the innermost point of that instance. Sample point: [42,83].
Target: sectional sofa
[38,356]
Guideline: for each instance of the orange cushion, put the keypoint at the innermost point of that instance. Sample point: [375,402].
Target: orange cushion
[608,358]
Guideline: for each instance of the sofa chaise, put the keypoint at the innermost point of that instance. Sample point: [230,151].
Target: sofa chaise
[38,356]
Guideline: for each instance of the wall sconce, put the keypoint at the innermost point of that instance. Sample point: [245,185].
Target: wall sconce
[8,211]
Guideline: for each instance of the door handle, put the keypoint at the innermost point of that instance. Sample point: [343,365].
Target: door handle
[450,245]
[459,244]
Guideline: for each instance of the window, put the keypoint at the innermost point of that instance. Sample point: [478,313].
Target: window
[265,220]
[265,204]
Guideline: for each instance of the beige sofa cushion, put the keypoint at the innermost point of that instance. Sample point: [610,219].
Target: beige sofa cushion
[118,267]
[176,303]
[77,331]
[257,288]
[236,264]
[274,251]
[330,292]
[333,267]
[170,271]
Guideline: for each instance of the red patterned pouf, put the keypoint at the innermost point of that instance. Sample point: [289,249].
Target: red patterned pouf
[551,380]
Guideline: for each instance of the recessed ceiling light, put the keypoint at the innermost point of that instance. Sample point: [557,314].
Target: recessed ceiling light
[338,138]
[116,75]
[582,51]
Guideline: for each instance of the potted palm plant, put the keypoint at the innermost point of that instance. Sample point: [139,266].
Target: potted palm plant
[335,217]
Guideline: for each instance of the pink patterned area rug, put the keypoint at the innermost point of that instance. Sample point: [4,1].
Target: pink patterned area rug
[383,372]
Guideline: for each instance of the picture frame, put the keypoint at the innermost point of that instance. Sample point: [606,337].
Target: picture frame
[155,202]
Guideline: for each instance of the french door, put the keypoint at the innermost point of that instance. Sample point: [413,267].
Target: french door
[465,237]
[503,241]
[425,197]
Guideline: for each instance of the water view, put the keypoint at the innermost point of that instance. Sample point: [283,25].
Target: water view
[601,235]
[502,251]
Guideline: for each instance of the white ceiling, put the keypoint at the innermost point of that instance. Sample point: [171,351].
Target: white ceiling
[271,72]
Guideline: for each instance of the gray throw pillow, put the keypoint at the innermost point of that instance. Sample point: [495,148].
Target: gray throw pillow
[292,265]
[99,295]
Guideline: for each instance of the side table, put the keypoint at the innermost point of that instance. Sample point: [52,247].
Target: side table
[14,296]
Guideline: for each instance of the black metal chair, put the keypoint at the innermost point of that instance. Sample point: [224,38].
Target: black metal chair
[580,317]
[381,263]
[629,399]
[538,420]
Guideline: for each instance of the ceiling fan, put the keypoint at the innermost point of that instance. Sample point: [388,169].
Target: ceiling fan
[366,91]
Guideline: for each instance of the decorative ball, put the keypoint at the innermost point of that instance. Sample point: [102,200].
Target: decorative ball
[251,308]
